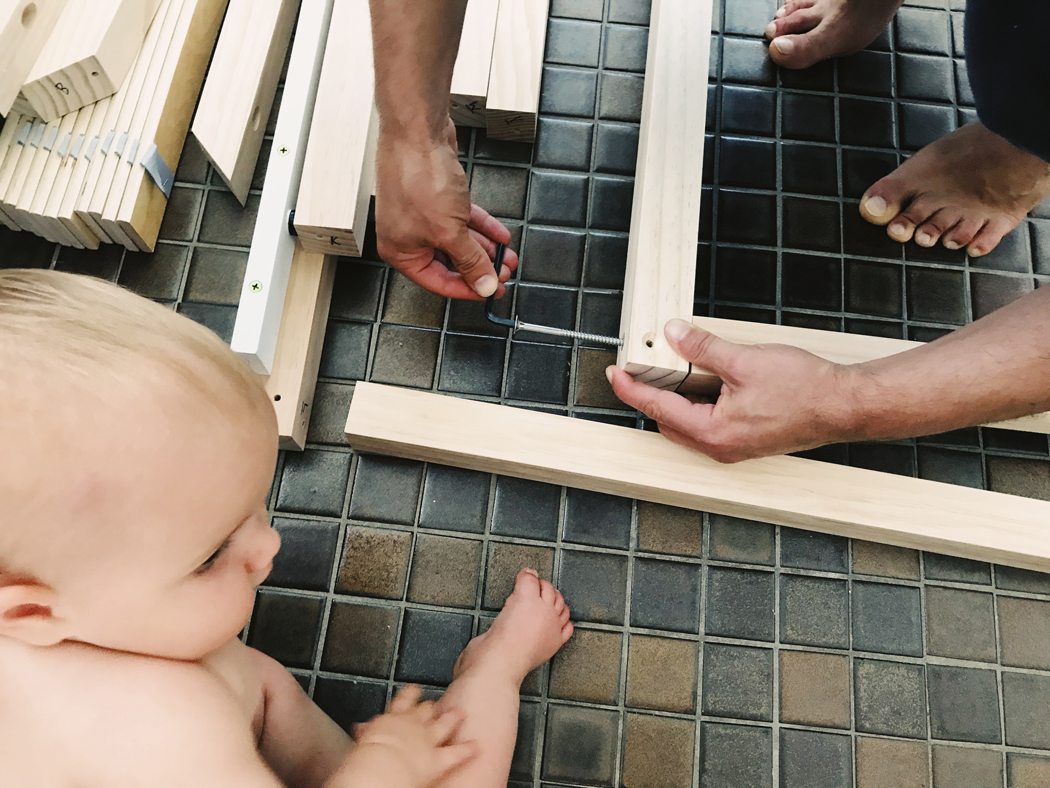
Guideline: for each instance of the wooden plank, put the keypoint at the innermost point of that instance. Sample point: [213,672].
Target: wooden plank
[665,219]
[88,55]
[269,261]
[470,77]
[513,100]
[298,356]
[19,174]
[137,209]
[332,209]
[834,499]
[831,345]
[25,26]
[239,92]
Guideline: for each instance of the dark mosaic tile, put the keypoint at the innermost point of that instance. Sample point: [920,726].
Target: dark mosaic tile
[669,529]
[742,541]
[409,304]
[922,30]
[866,122]
[219,319]
[922,124]
[454,499]
[349,702]
[749,111]
[180,217]
[328,420]
[307,554]
[472,365]
[600,314]
[405,356]
[890,698]
[936,295]
[748,275]
[958,767]
[360,640]
[960,624]
[811,282]
[811,550]
[546,306]
[375,563]
[1010,440]
[866,73]
[633,12]
[749,19]
[526,508]
[621,96]
[925,77]
[444,571]
[873,288]
[811,224]
[573,43]
[215,276]
[957,570]
[486,147]
[814,611]
[523,761]
[587,667]
[314,482]
[658,751]
[504,563]
[807,117]
[735,755]
[883,457]
[611,202]
[606,260]
[580,745]
[597,519]
[224,221]
[862,238]
[286,627]
[871,558]
[158,275]
[747,218]
[665,595]
[964,704]
[661,674]
[594,586]
[345,350]
[814,760]
[103,263]
[539,373]
[625,48]
[1026,699]
[193,163]
[563,143]
[747,60]
[553,256]
[810,169]
[430,645]
[1013,579]
[740,604]
[558,198]
[747,163]
[820,76]
[616,150]
[568,91]
[1016,476]
[386,489]
[1040,246]
[814,689]
[886,619]
[500,190]
[738,682]
[990,292]
[891,763]
[355,294]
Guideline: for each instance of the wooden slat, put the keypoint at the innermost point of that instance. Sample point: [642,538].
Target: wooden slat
[137,205]
[270,259]
[470,77]
[25,26]
[332,209]
[71,176]
[831,345]
[298,356]
[851,502]
[88,54]
[513,100]
[665,219]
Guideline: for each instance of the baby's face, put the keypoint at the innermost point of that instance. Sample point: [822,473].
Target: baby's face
[180,509]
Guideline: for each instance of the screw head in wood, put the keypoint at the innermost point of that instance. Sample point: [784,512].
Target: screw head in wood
[255,286]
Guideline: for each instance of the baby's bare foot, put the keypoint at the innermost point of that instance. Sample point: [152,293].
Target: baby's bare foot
[805,32]
[969,188]
[532,626]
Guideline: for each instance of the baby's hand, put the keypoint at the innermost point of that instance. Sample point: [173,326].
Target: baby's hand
[411,745]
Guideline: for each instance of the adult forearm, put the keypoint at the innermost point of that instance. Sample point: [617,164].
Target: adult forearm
[995,369]
[415,44]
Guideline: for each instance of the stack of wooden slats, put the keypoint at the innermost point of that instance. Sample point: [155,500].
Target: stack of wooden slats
[80,167]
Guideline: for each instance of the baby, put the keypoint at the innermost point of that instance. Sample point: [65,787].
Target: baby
[136,456]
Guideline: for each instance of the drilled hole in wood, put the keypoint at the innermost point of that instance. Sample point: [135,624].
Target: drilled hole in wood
[276,397]
[28,15]
[94,73]
[649,339]
[256,118]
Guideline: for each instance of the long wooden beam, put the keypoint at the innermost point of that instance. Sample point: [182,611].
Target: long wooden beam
[835,499]
[831,345]
[25,26]
[470,77]
[665,219]
[512,105]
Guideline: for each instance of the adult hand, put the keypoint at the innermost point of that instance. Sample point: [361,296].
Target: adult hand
[774,399]
[426,225]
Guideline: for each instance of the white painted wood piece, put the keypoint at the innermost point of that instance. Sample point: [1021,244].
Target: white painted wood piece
[470,77]
[25,26]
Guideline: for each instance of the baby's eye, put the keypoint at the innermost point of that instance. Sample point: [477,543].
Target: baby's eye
[210,562]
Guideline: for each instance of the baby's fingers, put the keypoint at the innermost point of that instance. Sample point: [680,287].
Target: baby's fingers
[454,756]
[446,725]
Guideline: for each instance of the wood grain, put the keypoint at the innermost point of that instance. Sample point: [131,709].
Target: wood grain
[239,92]
[834,499]
[470,77]
[665,218]
[25,26]
[513,101]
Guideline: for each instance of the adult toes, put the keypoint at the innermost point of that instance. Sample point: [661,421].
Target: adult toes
[989,237]
[962,233]
[883,200]
[801,21]
[902,228]
[930,231]
[799,51]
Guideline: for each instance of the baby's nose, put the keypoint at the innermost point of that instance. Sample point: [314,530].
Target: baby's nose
[259,562]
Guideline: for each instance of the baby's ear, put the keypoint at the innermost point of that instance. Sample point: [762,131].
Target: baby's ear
[27,614]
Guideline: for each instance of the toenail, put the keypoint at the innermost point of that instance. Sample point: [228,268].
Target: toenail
[898,229]
[784,45]
[771,30]
[876,206]
[953,245]
[781,11]
[923,239]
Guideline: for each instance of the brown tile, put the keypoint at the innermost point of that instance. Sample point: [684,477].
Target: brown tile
[1027,771]
[445,571]
[157,275]
[409,304]
[1024,633]
[216,275]
[661,674]
[375,562]
[592,387]
[669,529]
[814,689]
[961,767]
[505,561]
[871,558]
[960,624]
[360,640]
[1016,476]
[588,667]
[405,356]
[888,763]
[744,541]
[658,752]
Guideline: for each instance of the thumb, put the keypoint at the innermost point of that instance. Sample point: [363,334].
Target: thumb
[702,348]
[473,264]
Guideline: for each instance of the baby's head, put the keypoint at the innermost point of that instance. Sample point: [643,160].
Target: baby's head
[136,455]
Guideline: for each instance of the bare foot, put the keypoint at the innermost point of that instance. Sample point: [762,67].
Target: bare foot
[532,626]
[805,32]
[969,188]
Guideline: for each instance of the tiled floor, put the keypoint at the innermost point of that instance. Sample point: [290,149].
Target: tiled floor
[709,651]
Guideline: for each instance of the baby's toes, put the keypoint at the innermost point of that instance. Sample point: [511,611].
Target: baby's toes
[548,593]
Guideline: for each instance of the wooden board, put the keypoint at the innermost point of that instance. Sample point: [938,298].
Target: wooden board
[834,499]
[332,209]
[831,345]
[88,55]
[25,26]
[298,356]
[470,77]
[137,204]
[70,178]
[239,92]
[513,100]
[665,218]
[269,261]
